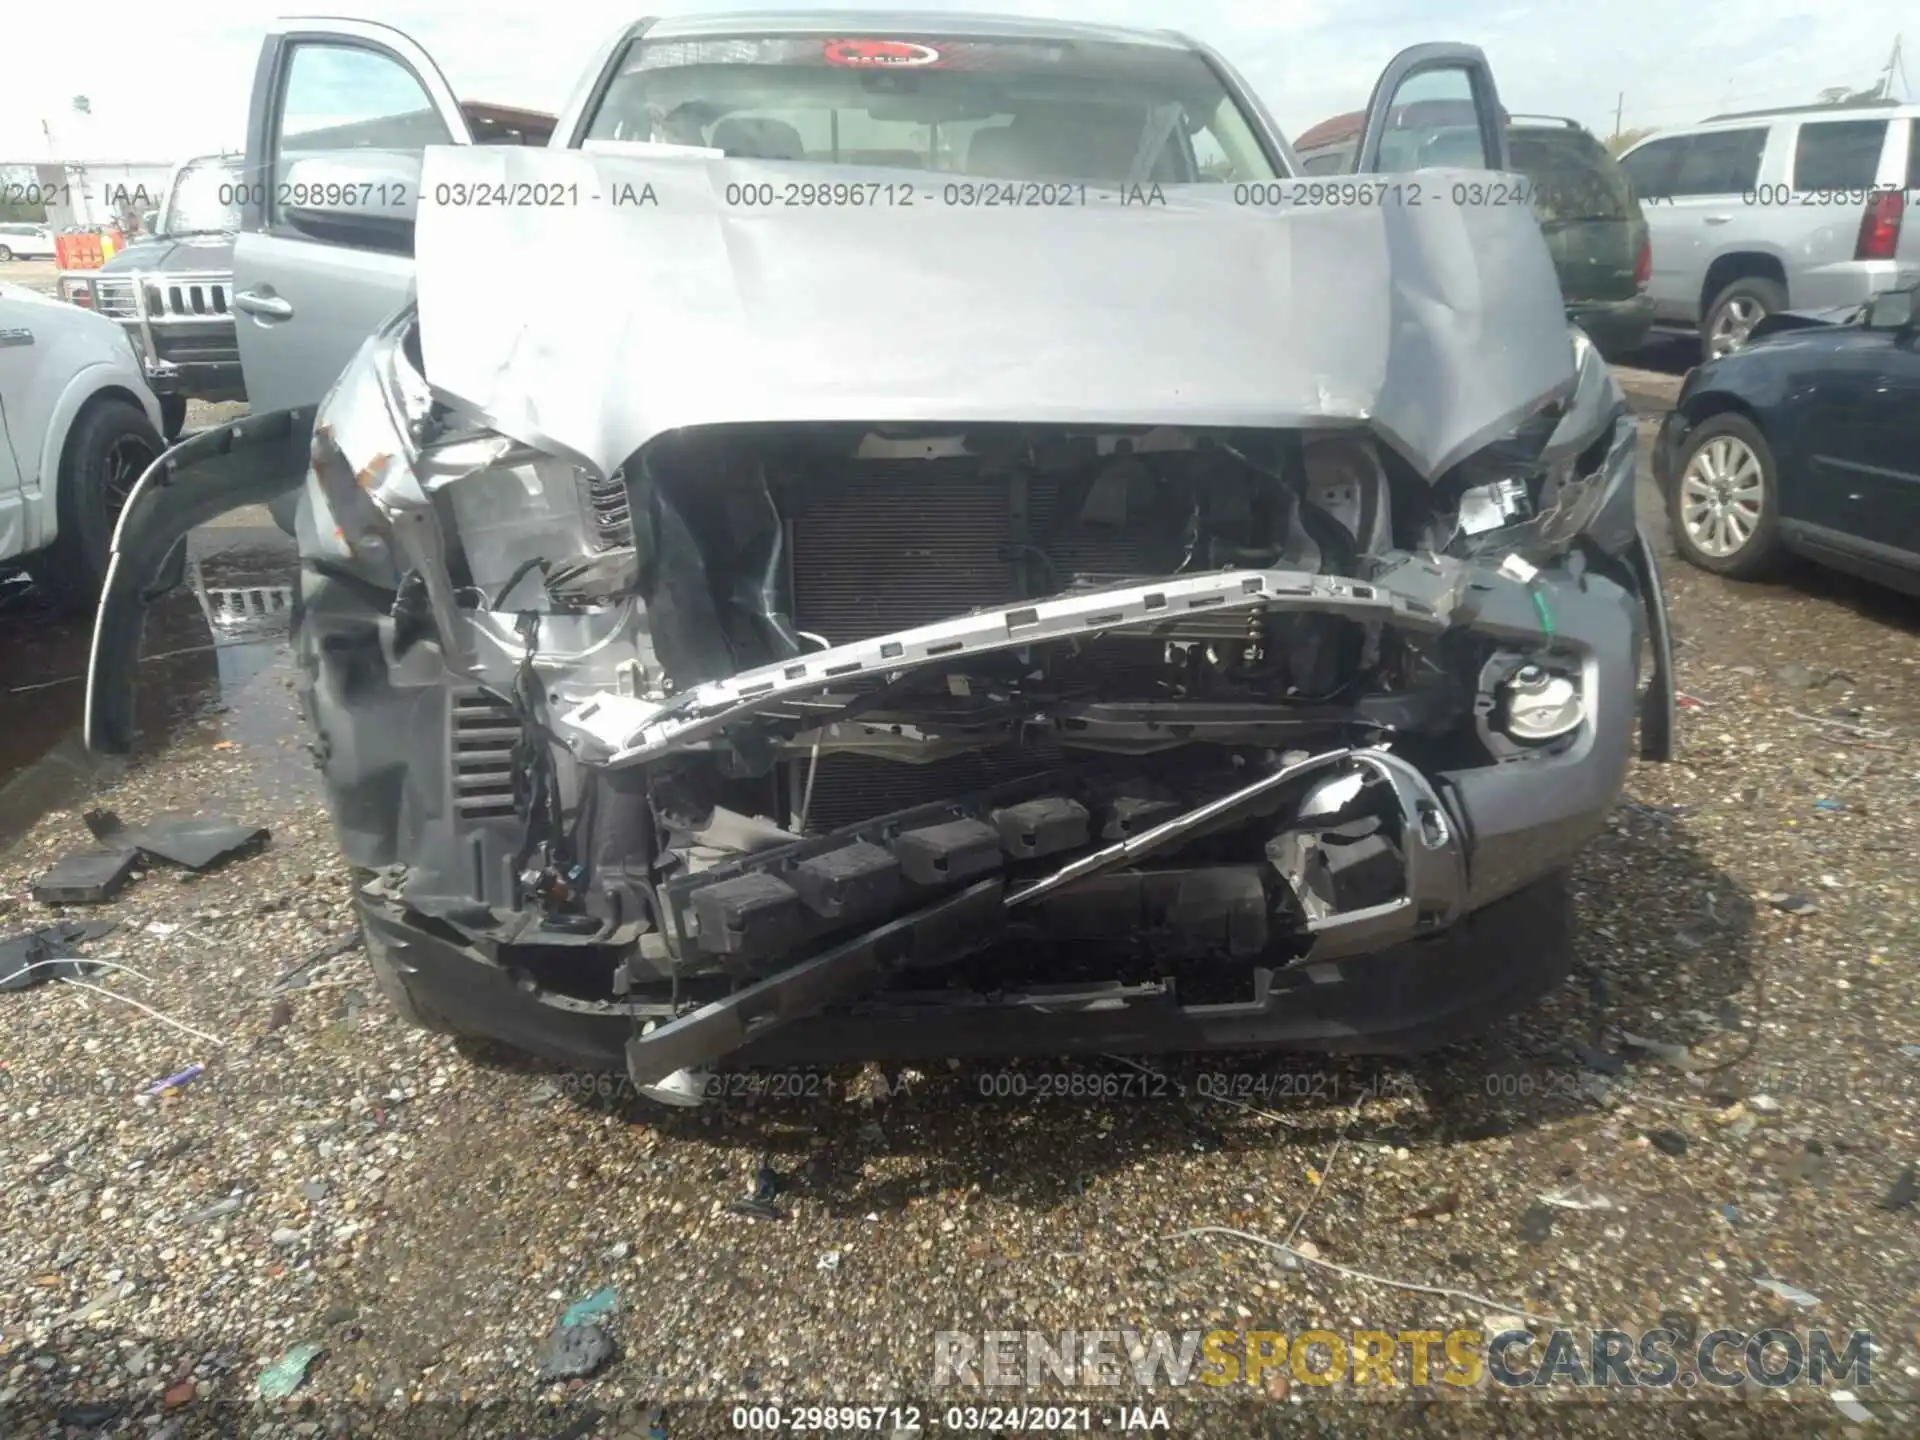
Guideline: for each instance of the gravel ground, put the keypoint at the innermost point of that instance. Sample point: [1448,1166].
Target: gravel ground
[423,1209]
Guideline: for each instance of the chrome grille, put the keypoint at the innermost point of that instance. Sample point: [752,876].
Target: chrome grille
[485,730]
[187,297]
[113,297]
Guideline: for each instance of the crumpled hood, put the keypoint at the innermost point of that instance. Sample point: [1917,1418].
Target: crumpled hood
[645,302]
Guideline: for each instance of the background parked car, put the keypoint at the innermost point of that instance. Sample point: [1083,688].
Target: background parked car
[78,426]
[1805,440]
[1756,212]
[1593,224]
[170,292]
[25,241]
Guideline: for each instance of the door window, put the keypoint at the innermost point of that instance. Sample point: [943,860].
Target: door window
[1650,168]
[348,97]
[1432,121]
[1720,162]
[1838,154]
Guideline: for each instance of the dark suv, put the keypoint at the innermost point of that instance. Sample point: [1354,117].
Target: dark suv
[1587,209]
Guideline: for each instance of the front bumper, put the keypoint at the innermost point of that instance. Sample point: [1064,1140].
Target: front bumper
[1403,1000]
[1490,838]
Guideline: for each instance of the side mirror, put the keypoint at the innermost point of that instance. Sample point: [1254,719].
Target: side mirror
[358,197]
[1890,310]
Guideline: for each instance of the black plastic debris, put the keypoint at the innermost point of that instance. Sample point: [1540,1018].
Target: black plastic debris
[1536,1224]
[1906,1188]
[85,877]
[767,1184]
[1601,1062]
[37,956]
[89,1415]
[1792,902]
[1668,1142]
[193,844]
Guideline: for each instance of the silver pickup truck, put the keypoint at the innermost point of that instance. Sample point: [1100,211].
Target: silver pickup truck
[994,561]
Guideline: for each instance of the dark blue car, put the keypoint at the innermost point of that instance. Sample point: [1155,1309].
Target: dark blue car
[1807,441]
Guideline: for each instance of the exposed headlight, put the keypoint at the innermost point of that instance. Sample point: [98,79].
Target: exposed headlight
[1560,475]
[1539,705]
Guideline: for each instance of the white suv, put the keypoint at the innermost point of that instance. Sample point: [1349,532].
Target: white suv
[1756,212]
[78,426]
[25,242]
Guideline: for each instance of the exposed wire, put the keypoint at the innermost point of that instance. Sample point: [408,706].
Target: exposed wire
[139,1005]
[1351,1273]
[104,962]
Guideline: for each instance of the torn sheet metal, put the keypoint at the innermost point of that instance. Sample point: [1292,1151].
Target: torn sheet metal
[1422,597]
[1439,324]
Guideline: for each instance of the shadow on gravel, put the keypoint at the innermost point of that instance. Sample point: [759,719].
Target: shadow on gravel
[1663,944]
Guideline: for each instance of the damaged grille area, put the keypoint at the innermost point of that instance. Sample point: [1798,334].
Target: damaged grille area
[484,731]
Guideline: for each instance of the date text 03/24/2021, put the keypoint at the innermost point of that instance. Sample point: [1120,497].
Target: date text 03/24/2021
[956,1419]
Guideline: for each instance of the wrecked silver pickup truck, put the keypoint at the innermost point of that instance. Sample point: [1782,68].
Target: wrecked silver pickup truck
[931,627]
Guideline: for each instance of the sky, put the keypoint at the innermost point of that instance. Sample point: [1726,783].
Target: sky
[168,81]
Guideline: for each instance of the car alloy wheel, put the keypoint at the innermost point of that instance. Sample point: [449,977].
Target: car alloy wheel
[1734,324]
[1722,493]
[125,462]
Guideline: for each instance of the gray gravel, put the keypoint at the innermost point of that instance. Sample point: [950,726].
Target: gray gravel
[425,1209]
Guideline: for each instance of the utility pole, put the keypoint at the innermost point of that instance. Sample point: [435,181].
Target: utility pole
[1618,106]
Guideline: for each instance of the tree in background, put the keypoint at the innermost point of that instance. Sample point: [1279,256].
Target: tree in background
[1624,141]
[17,182]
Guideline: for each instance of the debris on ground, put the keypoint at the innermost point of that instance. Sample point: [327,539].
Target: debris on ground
[285,1375]
[579,1345]
[37,956]
[1906,1188]
[1668,1142]
[177,1080]
[1792,902]
[1536,1224]
[602,1302]
[1601,1062]
[1678,1056]
[766,1185]
[85,877]
[1577,1197]
[1792,1294]
[198,845]
[1847,1405]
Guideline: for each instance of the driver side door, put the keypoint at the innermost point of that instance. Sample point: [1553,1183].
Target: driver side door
[1434,105]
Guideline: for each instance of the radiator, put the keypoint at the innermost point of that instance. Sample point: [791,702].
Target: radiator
[908,543]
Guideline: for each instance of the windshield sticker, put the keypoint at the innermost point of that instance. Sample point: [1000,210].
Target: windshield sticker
[879,54]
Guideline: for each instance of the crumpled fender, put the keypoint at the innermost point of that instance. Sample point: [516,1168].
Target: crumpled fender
[249,462]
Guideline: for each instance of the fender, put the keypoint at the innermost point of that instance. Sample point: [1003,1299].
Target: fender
[247,463]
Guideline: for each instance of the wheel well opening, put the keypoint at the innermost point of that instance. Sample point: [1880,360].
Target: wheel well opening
[1707,406]
[1745,265]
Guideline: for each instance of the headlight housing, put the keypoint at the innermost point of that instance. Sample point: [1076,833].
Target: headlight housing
[388,458]
[1562,474]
